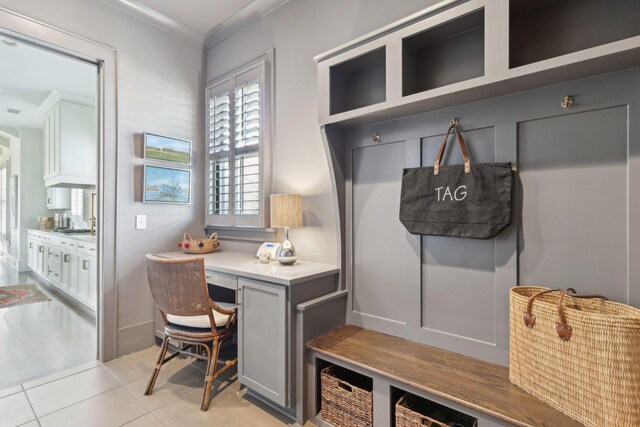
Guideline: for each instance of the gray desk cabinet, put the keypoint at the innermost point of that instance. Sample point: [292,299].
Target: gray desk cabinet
[262,338]
[267,296]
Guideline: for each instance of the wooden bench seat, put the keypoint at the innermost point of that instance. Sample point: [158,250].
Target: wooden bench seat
[469,382]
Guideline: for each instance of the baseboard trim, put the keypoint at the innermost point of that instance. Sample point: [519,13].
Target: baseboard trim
[136,337]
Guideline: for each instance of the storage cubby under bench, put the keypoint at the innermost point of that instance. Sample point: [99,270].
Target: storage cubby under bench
[476,388]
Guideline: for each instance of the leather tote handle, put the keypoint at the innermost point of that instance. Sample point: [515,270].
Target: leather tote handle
[563,330]
[463,148]
[530,318]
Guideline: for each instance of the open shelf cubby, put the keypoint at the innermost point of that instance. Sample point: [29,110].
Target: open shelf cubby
[359,82]
[445,54]
[435,411]
[544,29]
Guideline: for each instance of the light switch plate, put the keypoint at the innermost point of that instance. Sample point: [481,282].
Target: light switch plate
[141,222]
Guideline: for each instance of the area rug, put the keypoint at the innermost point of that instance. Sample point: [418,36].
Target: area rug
[13,295]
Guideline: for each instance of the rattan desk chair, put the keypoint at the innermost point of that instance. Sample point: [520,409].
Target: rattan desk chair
[179,289]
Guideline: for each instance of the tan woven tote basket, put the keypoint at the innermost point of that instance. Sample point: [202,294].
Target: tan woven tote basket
[581,355]
[347,399]
[199,246]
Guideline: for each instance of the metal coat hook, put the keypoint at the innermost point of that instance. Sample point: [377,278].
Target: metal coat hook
[567,101]
[454,122]
[376,137]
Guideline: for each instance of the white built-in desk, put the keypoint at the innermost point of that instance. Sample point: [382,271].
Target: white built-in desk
[267,296]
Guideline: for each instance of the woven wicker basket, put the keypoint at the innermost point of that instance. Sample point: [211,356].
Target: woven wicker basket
[347,399]
[412,411]
[580,355]
[199,246]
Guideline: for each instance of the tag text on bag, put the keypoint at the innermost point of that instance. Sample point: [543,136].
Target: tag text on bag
[459,194]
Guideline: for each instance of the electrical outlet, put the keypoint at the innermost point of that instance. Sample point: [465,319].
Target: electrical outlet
[141,222]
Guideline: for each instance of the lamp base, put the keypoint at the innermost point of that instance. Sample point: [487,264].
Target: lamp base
[286,253]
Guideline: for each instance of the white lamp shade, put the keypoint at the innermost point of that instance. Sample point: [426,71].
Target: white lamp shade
[286,210]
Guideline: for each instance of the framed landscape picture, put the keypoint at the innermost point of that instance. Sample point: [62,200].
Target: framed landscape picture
[167,149]
[166,185]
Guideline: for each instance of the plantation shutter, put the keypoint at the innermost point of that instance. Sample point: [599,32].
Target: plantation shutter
[235,140]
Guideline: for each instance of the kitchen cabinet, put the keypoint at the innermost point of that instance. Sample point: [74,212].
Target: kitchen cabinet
[32,253]
[70,143]
[58,198]
[87,279]
[69,263]
[53,267]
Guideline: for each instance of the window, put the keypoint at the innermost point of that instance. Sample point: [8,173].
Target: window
[77,201]
[238,146]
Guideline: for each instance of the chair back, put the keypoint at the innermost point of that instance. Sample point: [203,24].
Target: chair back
[178,286]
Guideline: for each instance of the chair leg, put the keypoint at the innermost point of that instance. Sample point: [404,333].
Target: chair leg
[158,365]
[205,404]
[211,376]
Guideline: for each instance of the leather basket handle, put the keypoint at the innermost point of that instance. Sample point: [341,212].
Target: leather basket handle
[530,318]
[563,330]
[214,236]
[463,148]
[187,237]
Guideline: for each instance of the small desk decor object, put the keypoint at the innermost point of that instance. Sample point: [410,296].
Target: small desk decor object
[199,246]
[166,185]
[286,211]
[167,149]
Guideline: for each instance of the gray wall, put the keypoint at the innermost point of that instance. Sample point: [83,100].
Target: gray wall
[575,211]
[298,31]
[159,90]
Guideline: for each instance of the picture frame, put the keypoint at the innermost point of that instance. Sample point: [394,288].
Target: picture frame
[166,185]
[167,149]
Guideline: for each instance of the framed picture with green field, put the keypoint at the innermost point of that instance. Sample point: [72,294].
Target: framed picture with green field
[167,149]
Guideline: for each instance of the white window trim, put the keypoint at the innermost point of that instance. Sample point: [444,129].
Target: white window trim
[266,178]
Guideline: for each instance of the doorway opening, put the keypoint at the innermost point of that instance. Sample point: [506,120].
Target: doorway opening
[49,216]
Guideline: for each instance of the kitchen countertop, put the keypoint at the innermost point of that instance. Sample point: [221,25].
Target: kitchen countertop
[247,265]
[84,237]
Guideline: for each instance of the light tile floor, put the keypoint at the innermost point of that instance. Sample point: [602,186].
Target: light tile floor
[112,394]
[40,338]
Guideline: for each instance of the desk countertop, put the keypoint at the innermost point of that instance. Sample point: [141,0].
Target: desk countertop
[247,265]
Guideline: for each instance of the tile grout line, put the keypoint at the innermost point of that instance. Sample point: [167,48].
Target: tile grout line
[30,405]
[60,378]
[78,402]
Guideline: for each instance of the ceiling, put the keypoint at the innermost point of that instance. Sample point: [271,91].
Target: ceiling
[29,74]
[202,22]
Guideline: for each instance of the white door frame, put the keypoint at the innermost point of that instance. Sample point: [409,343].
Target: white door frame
[60,41]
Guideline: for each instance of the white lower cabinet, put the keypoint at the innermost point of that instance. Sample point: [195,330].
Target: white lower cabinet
[68,264]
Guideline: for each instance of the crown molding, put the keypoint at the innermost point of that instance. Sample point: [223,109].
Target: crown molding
[158,20]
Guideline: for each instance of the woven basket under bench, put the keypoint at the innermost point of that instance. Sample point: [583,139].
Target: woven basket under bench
[412,411]
[347,397]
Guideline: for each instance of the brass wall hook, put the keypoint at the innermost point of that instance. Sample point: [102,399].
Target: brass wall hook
[567,101]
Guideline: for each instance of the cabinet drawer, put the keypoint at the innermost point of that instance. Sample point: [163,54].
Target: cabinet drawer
[88,248]
[54,253]
[53,240]
[222,279]
[68,244]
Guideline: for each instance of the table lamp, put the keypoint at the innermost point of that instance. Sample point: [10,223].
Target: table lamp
[286,211]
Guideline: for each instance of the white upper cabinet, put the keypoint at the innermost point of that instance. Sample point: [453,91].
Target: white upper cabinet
[70,143]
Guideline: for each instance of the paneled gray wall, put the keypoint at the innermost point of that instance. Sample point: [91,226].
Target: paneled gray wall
[573,223]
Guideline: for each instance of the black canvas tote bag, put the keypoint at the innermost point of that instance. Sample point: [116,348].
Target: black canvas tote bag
[458,200]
